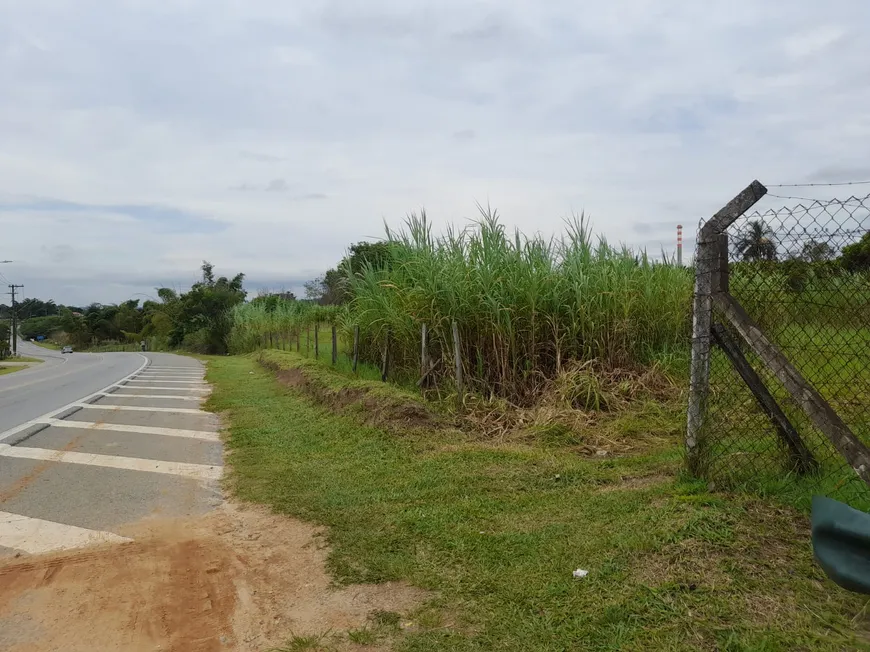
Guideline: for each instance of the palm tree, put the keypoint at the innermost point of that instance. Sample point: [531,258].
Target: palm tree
[757,243]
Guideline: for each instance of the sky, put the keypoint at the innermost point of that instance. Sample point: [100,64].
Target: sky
[139,138]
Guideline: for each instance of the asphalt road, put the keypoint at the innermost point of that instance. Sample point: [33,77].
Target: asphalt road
[58,380]
[92,443]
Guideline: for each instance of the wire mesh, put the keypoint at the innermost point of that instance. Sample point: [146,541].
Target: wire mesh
[802,273]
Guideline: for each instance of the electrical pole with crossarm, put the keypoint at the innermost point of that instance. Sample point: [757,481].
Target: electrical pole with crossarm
[12,288]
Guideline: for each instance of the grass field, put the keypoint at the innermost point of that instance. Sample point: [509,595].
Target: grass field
[495,531]
[12,368]
[744,449]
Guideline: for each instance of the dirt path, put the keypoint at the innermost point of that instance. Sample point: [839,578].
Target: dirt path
[235,579]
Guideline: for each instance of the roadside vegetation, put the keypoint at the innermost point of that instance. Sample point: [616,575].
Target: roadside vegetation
[564,453]
[496,528]
[198,320]
[19,363]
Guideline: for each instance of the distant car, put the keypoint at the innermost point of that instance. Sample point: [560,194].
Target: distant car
[66,349]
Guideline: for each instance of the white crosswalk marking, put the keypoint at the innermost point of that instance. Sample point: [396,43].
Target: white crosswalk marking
[156,396]
[162,387]
[36,536]
[164,380]
[206,435]
[170,384]
[198,471]
[152,367]
[179,376]
[137,408]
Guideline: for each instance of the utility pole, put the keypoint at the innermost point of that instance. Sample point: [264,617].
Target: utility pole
[12,288]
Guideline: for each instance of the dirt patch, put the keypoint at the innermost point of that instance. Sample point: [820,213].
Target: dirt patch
[394,414]
[236,579]
[636,484]
[291,377]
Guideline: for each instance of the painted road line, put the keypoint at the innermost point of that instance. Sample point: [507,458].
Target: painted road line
[171,379]
[155,368]
[205,435]
[37,537]
[163,387]
[197,471]
[24,426]
[179,398]
[183,381]
[181,384]
[138,408]
[179,376]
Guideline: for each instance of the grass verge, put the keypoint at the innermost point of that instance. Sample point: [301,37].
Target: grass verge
[497,529]
[51,346]
[12,368]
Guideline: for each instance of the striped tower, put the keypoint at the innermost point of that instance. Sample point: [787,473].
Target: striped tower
[679,245]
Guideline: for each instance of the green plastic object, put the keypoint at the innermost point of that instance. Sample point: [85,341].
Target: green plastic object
[841,543]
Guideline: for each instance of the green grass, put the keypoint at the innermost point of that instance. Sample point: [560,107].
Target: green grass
[11,369]
[744,451]
[496,531]
[52,346]
[524,306]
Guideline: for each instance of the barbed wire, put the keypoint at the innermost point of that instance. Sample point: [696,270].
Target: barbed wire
[813,185]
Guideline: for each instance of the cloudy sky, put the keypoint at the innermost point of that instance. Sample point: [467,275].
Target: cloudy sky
[139,138]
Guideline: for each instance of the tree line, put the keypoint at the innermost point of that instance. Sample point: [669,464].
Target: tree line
[197,320]
[758,243]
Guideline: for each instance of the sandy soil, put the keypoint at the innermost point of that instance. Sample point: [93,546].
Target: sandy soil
[236,579]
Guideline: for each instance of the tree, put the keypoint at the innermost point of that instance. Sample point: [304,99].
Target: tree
[36,326]
[315,289]
[5,337]
[203,322]
[815,251]
[757,242]
[856,257]
[331,288]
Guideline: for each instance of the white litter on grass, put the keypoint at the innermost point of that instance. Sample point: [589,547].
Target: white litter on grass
[580,573]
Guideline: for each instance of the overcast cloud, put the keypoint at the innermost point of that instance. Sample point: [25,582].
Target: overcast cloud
[139,138]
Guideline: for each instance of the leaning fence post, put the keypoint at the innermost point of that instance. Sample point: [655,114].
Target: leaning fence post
[334,345]
[355,347]
[457,359]
[820,412]
[707,263]
[385,367]
[801,456]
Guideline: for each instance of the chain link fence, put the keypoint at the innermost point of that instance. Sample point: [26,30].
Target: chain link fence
[801,273]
